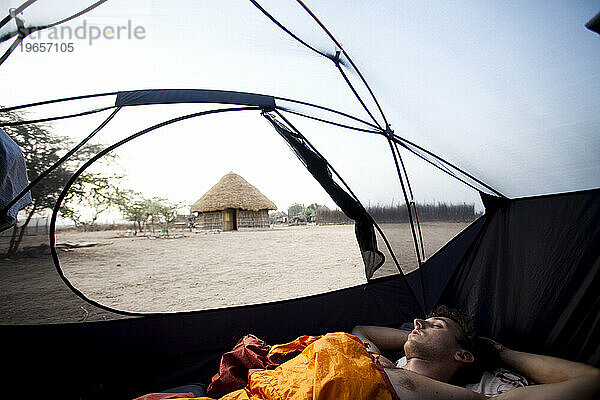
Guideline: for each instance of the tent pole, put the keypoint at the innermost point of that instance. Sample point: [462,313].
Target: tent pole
[412,223]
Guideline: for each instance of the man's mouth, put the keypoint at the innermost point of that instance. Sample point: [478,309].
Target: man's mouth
[415,332]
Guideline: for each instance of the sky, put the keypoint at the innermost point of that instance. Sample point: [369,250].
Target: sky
[506,92]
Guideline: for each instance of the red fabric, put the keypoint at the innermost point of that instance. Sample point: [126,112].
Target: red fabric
[161,396]
[385,377]
[249,354]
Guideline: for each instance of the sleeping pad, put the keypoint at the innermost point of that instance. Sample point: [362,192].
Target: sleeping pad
[333,366]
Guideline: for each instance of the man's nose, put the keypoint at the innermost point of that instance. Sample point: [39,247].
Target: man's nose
[419,323]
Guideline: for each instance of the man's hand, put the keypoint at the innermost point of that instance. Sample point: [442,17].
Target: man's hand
[499,348]
[384,361]
[557,379]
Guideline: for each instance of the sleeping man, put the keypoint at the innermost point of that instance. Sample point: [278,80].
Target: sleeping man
[444,345]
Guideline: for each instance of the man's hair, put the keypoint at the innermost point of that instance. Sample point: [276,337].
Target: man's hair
[485,355]
[467,334]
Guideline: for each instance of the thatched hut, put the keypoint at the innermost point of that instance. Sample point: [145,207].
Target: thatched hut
[232,204]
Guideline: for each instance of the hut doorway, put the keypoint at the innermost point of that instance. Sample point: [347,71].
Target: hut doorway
[230,219]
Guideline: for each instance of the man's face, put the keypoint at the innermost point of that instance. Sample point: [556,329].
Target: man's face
[434,338]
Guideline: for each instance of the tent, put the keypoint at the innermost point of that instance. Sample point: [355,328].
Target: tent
[503,98]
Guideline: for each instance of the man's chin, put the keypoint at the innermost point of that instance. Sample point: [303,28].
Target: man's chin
[411,348]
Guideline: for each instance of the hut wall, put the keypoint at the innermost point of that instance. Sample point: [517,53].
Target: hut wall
[253,219]
[209,221]
[327,217]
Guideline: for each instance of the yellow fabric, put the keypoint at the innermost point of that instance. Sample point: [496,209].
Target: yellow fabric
[335,366]
[298,344]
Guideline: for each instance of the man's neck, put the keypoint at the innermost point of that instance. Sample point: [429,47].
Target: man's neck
[431,369]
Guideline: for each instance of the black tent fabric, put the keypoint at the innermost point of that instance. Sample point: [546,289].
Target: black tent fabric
[531,279]
[170,96]
[320,170]
[439,268]
[594,24]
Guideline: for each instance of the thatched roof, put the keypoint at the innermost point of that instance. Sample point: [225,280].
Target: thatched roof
[233,191]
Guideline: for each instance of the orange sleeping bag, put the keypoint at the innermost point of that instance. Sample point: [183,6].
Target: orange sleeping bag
[334,366]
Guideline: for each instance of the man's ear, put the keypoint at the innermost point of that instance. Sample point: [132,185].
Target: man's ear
[464,356]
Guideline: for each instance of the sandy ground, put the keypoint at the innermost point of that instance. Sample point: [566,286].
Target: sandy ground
[196,270]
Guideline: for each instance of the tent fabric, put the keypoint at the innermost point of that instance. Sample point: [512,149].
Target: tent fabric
[449,168]
[166,96]
[320,170]
[495,96]
[531,279]
[439,268]
[594,24]
[13,179]
[34,15]
[24,18]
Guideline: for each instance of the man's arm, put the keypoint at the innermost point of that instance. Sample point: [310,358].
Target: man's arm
[557,378]
[381,338]
[412,386]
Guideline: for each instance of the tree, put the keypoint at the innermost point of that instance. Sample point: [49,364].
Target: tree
[98,193]
[310,210]
[153,208]
[295,209]
[138,209]
[41,149]
[167,212]
[134,208]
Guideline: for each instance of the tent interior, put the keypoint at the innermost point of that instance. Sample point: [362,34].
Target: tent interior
[362,105]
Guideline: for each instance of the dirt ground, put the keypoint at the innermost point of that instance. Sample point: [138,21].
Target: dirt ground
[195,270]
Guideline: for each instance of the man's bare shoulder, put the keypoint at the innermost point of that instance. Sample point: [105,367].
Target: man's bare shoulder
[410,385]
